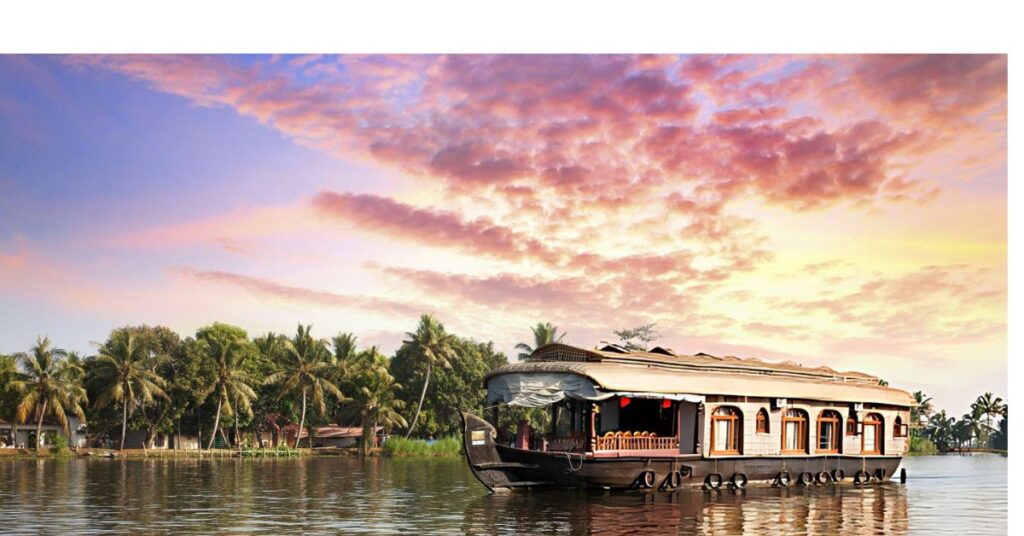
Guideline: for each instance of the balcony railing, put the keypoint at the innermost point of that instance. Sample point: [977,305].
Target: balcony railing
[620,442]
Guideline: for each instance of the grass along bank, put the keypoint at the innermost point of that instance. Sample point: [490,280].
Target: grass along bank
[400,447]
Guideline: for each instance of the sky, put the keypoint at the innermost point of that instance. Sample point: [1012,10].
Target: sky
[847,211]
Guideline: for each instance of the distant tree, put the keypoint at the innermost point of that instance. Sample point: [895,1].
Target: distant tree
[1000,439]
[48,385]
[543,334]
[637,339]
[940,431]
[972,425]
[434,347]
[373,393]
[989,406]
[305,369]
[452,389]
[921,410]
[232,381]
[125,372]
[8,394]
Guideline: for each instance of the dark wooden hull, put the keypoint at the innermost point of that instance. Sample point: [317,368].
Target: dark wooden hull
[501,468]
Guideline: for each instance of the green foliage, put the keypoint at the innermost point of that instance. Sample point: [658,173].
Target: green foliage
[48,385]
[452,389]
[125,372]
[637,339]
[543,333]
[373,394]
[305,369]
[401,447]
[60,446]
[922,445]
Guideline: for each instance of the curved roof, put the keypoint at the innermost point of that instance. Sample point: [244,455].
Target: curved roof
[703,374]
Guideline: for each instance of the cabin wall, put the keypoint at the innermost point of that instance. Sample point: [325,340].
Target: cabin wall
[770,444]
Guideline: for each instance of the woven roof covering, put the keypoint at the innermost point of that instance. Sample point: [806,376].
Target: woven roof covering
[707,375]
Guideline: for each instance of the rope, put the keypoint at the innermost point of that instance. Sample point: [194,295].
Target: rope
[568,458]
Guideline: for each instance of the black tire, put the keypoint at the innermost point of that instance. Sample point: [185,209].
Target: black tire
[861,477]
[824,478]
[647,479]
[782,479]
[713,481]
[838,475]
[675,479]
[739,480]
[879,474]
[805,479]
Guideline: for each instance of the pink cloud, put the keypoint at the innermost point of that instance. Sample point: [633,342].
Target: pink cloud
[266,289]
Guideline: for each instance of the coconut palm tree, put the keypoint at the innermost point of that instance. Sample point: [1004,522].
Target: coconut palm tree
[990,405]
[8,395]
[232,384]
[922,409]
[305,368]
[49,385]
[972,423]
[542,334]
[373,394]
[125,374]
[940,430]
[435,348]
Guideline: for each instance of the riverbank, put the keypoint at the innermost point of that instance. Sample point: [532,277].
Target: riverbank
[395,447]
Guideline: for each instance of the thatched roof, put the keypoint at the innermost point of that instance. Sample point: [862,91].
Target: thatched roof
[663,372]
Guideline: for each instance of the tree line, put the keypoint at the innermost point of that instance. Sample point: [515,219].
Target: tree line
[220,382]
[976,429]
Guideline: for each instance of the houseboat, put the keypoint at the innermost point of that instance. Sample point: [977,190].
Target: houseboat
[657,420]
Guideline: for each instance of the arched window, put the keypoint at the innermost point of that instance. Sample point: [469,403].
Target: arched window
[873,435]
[898,428]
[762,421]
[726,430]
[794,432]
[828,432]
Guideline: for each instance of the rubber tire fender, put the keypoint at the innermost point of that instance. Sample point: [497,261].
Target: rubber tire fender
[838,475]
[806,479]
[739,480]
[713,481]
[824,478]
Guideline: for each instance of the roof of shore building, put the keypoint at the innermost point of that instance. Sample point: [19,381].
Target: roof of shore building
[661,370]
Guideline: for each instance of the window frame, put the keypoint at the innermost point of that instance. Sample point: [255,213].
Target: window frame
[801,430]
[851,426]
[762,422]
[734,430]
[830,416]
[899,429]
[878,422]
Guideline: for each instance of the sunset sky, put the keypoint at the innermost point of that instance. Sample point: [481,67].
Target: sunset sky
[839,210]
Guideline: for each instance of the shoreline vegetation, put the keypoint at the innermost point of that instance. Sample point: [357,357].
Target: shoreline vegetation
[149,392]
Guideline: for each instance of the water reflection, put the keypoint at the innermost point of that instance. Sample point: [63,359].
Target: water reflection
[951,495]
[834,510]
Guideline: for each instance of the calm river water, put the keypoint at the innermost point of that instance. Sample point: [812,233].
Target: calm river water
[944,495]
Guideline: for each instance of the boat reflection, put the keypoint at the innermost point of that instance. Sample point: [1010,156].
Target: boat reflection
[880,509]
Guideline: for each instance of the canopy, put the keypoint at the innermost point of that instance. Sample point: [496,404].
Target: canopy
[536,389]
[597,381]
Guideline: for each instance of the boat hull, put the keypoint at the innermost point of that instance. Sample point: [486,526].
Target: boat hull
[504,468]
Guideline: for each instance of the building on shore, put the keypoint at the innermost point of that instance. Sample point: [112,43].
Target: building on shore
[24,434]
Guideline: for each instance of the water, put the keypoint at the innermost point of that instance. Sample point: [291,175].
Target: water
[944,495]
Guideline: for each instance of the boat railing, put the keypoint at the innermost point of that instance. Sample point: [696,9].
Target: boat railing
[620,441]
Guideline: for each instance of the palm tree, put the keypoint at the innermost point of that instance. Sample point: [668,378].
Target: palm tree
[49,386]
[8,374]
[990,405]
[940,430]
[972,424]
[542,334]
[232,383]
[374,396]
[435,348]
[306,368]
[125,373]
[922,409]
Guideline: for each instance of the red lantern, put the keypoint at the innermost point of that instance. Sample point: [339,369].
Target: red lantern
[623,402]
[665,404]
